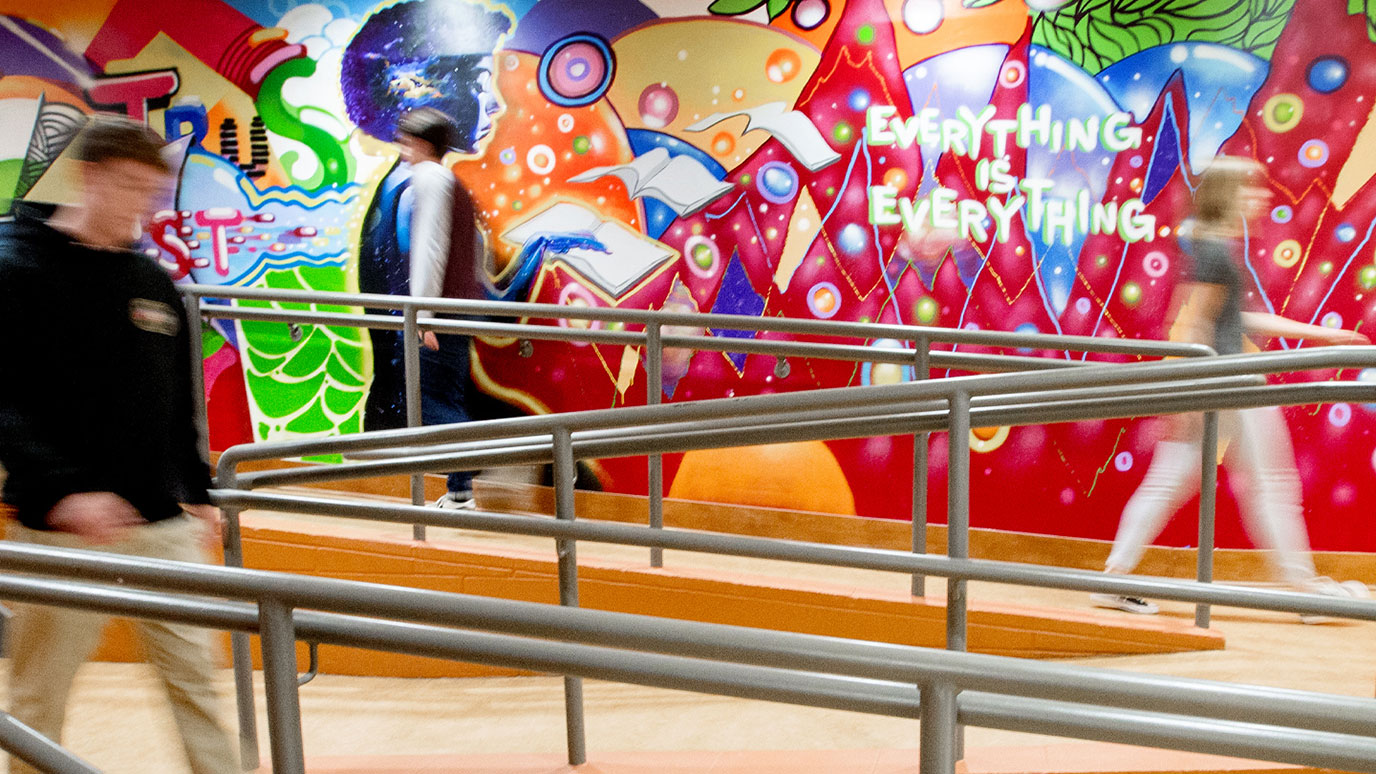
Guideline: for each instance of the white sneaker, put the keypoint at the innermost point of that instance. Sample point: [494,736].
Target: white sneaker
[1349,589]
[457,501]
[1126,604]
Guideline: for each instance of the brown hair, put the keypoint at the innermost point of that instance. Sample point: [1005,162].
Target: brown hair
[1218,200]
[112,138]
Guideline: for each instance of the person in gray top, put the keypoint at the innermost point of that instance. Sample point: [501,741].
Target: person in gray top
[1260,454]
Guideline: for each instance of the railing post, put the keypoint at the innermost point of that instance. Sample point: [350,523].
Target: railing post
[937,748]
[1208,495]
[193,335]
[654,381]
[564,474]
[921,370]
[410,347]
[957,530]
[241,653]
[957,514]
[278,633]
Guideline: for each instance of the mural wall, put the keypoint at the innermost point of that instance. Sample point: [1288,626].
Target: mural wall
[981,164]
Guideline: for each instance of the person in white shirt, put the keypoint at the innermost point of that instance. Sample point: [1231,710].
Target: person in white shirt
[421,238]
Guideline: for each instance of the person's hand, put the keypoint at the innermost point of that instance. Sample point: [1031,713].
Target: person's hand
[1188,428]
[1344,336]
[430,341]
[100,517]
[210,516]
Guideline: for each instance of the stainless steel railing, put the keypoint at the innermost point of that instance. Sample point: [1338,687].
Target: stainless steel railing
[952,404]
[37,750]
[921,356]
[652,323]
[940,688]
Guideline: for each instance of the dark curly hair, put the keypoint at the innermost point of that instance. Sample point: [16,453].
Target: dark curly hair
[419,53]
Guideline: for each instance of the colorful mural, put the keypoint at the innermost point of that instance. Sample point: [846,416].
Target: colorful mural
[983,164]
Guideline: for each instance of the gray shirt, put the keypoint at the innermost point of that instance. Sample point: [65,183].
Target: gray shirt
[1214,265]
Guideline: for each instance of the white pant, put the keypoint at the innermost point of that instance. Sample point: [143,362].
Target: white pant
[1264,479]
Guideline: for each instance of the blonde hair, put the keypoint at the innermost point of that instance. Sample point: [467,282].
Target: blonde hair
[1218,199]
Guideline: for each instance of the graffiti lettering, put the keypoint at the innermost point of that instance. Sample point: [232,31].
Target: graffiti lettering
[134,92]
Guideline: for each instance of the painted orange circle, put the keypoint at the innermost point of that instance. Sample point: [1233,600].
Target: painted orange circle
[783,65]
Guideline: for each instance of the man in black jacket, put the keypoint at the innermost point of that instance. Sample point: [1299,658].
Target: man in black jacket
[97,430]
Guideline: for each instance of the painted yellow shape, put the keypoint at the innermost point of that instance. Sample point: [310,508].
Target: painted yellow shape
[802,229]
[686,55]
[196,78]
[625,377]
[1360,166]
[59,183]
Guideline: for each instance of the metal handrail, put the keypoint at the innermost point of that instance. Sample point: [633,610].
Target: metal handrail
[694,320]
[952,405]
[673,437]
[652,337]
[702,342]
[39,751]
[1091,376]
[1274,724]
[917,406]
[922,357]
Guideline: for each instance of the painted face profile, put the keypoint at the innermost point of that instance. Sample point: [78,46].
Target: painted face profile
[484,93]
[425,53]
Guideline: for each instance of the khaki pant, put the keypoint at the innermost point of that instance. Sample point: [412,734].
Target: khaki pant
[48,644]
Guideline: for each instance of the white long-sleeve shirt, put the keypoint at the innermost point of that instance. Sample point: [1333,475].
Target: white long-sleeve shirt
[432,210]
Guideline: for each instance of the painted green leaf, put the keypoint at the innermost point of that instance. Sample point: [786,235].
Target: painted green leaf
[734,7]
[311,356]
[211,340]
[340,401]
[285,280]
[1355,7]
[777,7]
[263,364]
[1097,33]
[341,375]
[978,3]
[284,398]
[272,338]
[313,383]
[311,421]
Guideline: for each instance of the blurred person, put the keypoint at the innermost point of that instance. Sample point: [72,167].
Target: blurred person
[103,454]
[430,219]
[434,56]
[1260,455]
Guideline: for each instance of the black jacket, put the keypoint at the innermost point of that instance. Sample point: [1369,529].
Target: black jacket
[95,377]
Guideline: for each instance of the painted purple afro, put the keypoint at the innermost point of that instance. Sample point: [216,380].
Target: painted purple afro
[419,53]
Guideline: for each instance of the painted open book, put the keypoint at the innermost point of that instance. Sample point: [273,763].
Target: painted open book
[615,257]
[792,128]
[681,182]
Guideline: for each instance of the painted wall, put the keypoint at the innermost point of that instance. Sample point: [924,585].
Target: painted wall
[874,160]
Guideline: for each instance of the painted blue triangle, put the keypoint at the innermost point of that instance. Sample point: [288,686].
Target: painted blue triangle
[1165,159]
[736,296]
